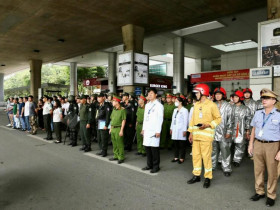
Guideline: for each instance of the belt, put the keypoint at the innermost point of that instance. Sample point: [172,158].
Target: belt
[167,119]
[140,123]
[263,141]
[112,126]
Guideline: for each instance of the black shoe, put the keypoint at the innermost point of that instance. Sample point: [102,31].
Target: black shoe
[146,168]
[99,153]
[104,155]
[207,183]
[120,161]
[50,138]
[227,174]
[112,159]
[71,143]
[46,138]
[235,164]
[74,144]
[155,170]
[269,202]
[194,180]
[257,197]
[174,160]
[87,149]
[83,148]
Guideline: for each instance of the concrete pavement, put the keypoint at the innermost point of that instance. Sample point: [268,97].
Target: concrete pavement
[35,174]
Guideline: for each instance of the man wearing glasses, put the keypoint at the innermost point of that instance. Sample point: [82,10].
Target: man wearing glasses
[265,146]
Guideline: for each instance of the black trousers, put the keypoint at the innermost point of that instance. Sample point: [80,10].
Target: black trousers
[47,125]
[153,157]
[103,139]
[129,134]
[57,130]
[180,149]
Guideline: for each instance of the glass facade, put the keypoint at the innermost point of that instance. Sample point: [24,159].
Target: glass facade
[159,69]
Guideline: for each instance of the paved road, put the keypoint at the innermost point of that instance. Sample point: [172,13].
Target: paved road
[35,174]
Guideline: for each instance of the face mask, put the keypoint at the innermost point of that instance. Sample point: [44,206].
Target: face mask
[176,103]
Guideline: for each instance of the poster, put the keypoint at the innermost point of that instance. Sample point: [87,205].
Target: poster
[124,71]
[141,68]
[269,43]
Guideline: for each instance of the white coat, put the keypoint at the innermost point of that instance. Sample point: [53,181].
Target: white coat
[153,118]
[179,124]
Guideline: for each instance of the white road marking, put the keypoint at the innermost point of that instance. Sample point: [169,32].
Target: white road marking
[125,165]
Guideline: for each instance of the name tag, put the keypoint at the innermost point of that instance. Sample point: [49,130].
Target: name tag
[260,133]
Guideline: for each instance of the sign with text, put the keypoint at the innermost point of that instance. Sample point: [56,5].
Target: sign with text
[91,82]
[218,76]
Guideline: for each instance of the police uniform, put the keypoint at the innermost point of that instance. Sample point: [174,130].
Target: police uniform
[129,129]
[165,141]
[117,117]
[265,148]
[72,121]
[139,126]
[85,118]
[103,113]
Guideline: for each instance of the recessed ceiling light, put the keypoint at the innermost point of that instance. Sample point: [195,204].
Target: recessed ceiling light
[233,19]
[239,45]
[36,51]
[199,28]
[3,65]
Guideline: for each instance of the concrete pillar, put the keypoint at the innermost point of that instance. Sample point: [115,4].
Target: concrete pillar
[178,64]
[2,87]
[133,37]
[273,9]
[73,79]
[112,69]
[35,77]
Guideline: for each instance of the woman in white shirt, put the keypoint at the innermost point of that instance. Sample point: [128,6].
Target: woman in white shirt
[57,120]
[178,130]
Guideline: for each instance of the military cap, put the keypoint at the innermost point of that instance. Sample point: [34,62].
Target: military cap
[125,94]
[101,95]
[169,95]
[116,98]
[182,96]
[268,93]
[84,97]
[143,97]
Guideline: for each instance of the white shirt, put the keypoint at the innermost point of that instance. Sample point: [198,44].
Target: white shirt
[56,115]
[153,118]
[179,123]
[47,108]
[65,106]
[26,109]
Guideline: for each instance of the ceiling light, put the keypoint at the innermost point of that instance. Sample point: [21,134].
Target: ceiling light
[36,51]
[199,28]
[239,45]
[61,40]
[3,65]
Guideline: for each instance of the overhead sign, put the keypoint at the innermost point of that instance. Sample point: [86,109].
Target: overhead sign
[161,83]
[124,73]
[218,76]
[91,82]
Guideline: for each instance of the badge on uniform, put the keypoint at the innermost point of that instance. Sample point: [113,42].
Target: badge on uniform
[200,115]
[260,133]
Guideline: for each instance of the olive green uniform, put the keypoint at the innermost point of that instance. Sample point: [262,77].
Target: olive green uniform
[140,117]
[117,116]
[165,138]
[85,118]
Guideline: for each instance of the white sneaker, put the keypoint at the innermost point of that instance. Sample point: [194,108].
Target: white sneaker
[191,154]
[9,125]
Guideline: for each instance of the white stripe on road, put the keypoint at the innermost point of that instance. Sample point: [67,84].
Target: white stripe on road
[32,136]
[39,138]
[125,165]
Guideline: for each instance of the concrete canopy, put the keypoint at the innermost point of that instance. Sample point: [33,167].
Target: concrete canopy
[90,25]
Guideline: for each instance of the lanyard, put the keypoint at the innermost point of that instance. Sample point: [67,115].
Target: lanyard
[176,113]
[265,120]
[150,109]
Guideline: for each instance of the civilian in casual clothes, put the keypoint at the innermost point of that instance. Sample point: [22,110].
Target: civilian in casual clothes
[16,124]
[47,112]
[10,112]
[26,113]
[57,120]
[21,114]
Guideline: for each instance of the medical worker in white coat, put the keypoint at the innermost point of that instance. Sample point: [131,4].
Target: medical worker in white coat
[178,131]
[153,118]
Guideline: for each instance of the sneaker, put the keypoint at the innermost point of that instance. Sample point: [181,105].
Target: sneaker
[9,125]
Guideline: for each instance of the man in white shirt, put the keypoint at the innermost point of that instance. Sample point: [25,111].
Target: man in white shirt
[153,118]
[47,111]
[26,114]
[65,105]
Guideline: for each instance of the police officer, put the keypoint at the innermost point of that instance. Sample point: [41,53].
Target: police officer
[72,121]
[93,126]
[139,125]
[118,121]
[129,130]
[85,122]
[103,113]
[205,118]
[265,146]
[222,140]
[165,141]
[132,99]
